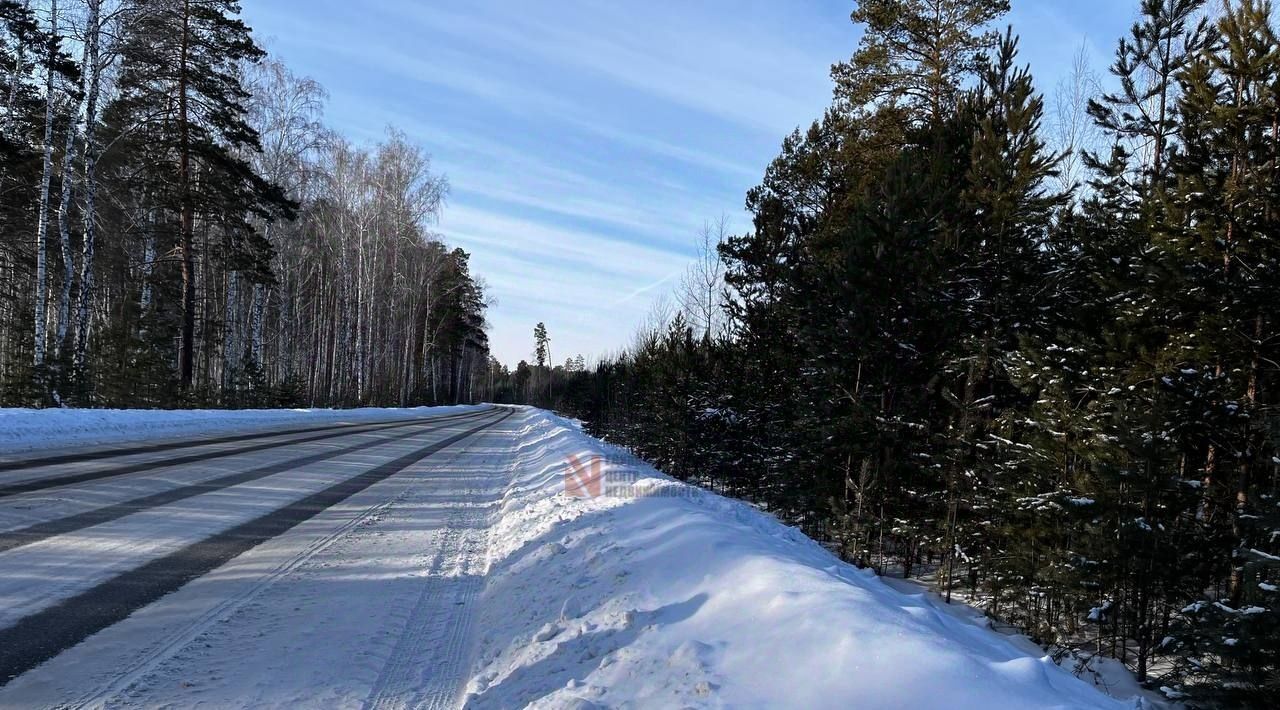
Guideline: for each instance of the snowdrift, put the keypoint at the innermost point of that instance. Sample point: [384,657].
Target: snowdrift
[659,594]
[27,430]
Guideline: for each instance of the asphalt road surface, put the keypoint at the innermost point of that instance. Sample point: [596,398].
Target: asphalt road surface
[149,574]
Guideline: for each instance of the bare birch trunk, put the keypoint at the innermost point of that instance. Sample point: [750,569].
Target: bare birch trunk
[64,213]
[186,350]
[46,176]
[231,328]
[359,307]
[148,263]
[256,314]
[92,80]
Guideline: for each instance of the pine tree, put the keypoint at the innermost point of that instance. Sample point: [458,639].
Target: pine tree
[23,49]
[915,54]
[1147,66]
[993,290]
[1220,244]
[542,354]
[540,341]
[183,55]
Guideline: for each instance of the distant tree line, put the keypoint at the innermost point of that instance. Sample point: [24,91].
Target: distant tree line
[537,382]
[963,341]
[179,228]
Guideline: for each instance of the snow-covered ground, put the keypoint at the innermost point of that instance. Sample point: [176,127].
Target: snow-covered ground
[1106,673]
[472,576]
[30,430]
[681,598]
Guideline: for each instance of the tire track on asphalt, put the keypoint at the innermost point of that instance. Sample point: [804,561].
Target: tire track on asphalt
[34,533]
[44,483]
[44,634]
[60,459]
[122,680]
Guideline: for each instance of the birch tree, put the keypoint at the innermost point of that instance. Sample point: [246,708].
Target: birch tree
[46,179]
[701,292]
[219,246]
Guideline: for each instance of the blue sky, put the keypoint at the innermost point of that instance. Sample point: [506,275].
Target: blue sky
[587,142]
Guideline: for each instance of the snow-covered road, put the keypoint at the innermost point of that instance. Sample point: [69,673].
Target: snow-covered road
[340,583]
[438,562]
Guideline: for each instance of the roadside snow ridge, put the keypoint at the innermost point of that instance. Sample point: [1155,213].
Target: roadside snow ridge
[659,594]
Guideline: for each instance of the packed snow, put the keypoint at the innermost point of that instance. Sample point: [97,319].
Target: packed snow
[659,594]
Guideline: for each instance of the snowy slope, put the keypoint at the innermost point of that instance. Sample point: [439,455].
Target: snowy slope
[29,430]
[683,598]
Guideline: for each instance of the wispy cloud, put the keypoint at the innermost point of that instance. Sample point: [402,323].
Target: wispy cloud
[586,141]
[700,56]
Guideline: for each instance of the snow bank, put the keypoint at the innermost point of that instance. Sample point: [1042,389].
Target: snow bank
[678,597]
[23,430]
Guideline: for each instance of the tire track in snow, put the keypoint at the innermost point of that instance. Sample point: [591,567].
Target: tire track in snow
[435,628]
[43,635]
[430,660]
